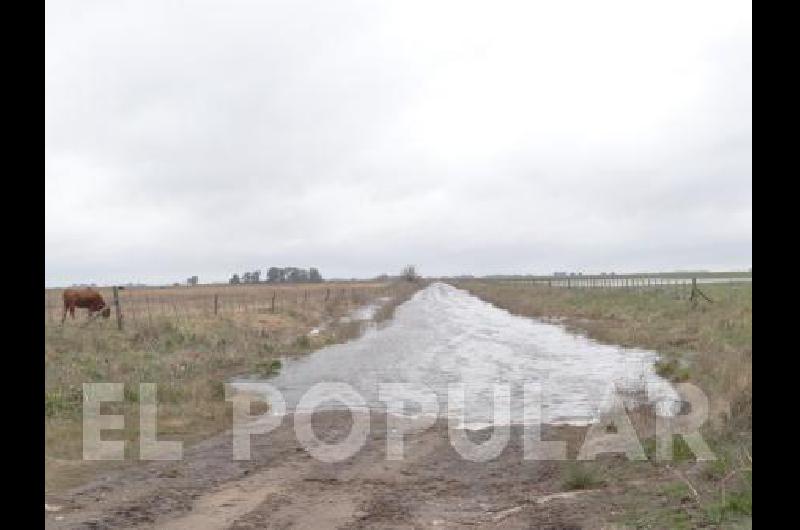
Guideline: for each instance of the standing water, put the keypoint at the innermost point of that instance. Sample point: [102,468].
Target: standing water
[444,336]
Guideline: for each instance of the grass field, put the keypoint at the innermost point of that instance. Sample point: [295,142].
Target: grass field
[172,337]
[707,344]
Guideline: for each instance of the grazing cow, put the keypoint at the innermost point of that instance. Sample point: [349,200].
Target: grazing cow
[85,298]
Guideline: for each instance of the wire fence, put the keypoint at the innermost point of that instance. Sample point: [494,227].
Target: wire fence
[626,282]
[140,305]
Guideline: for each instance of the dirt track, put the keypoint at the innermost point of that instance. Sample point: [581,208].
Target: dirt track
[282,486]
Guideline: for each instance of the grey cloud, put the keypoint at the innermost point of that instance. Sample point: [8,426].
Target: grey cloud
[213,137]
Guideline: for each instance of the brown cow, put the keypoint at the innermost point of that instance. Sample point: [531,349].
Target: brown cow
[85,298]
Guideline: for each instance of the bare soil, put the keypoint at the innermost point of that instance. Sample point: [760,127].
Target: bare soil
[283,486]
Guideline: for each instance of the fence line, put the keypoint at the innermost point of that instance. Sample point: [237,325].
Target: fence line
[142,306]
[619,282]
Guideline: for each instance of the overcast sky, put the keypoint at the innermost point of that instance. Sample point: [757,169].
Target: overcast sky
[212,137]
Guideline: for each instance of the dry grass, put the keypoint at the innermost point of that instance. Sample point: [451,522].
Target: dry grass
[172,337]
[141,305]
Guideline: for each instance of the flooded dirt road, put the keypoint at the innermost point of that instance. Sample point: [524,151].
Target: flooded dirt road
[441,337]
[444,337]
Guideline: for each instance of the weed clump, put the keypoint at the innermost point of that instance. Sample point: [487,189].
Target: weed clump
[671,369]
[581,477]
[735,505]
[302,342]
[62,402]
[681,452]
[268,368]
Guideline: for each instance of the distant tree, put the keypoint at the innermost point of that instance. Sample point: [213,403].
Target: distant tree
[296,275]
[235,279]
[276,274]
[251,276]
[409,273]
[382,277]
[282,274]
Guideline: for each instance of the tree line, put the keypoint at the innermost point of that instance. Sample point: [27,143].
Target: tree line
[279,275]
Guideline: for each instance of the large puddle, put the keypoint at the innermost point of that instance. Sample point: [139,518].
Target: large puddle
[444,336]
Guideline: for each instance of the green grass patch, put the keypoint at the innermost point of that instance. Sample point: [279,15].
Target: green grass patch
[579,476]
[736,505]
[658,517]
[677,491]
[268,368]
[63,402]
[673,370]
[681,452]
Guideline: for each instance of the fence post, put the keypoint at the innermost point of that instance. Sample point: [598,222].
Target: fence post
[216,301]
[117,310]
[273,301]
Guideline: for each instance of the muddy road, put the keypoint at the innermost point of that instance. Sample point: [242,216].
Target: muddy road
[440,338]
[282,486]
